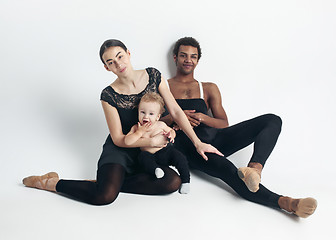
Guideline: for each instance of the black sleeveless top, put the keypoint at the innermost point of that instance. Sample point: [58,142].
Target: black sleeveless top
[205,133]
[126,106]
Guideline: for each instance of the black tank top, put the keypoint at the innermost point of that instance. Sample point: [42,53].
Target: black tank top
[204,132]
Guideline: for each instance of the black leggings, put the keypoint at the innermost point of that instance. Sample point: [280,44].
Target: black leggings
[263,131]
[168,156]
[111,179]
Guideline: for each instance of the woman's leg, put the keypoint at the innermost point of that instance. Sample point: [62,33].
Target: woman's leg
[45,182]
[110,180]
[105,190]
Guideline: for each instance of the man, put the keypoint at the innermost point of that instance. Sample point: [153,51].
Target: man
[183,85]
[196,99]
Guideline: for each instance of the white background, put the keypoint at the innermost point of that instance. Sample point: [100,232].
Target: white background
[265,56]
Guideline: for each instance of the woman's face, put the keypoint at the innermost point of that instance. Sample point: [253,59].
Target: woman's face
[117,60]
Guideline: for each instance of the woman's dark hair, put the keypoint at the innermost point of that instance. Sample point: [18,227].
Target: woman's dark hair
[187,41]
[110,43]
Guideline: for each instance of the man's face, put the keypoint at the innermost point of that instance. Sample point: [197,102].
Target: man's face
[186,59]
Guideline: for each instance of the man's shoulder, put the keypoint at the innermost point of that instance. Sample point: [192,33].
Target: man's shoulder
[209,86]
[210,90]
[170,79]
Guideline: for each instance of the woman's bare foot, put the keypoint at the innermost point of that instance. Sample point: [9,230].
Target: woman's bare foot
[302,207]
[45,182]
[251,175]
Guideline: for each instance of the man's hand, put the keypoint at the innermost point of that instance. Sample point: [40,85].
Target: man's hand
[195,118]
[191,115]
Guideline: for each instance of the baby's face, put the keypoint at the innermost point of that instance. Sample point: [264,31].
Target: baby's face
[149,112]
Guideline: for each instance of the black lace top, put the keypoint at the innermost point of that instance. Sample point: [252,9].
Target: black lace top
[127,104]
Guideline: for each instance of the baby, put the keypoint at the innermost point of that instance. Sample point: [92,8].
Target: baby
[150,108]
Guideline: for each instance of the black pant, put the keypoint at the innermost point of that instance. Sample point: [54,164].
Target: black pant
[112,179]
[263,131]
[168,156]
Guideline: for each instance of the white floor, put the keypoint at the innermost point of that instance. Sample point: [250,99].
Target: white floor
[36,140]
[210,211]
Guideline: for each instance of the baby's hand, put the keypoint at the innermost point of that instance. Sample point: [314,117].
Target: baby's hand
[144,128]
[170,135]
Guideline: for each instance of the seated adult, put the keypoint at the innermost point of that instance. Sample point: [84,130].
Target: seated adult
[196,99]
[117,166]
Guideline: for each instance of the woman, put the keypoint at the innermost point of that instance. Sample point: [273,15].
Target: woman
[117,169]
[196,99]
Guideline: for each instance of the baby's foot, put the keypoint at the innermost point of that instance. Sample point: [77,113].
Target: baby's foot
[159,173]
[185,188]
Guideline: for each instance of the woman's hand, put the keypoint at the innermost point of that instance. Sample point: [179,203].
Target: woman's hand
[170,135]
[203,148]
[159,141]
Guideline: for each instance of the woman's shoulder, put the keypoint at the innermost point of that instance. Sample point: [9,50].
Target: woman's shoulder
[153,71]
[107,95]
[154,76]
[107,89]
